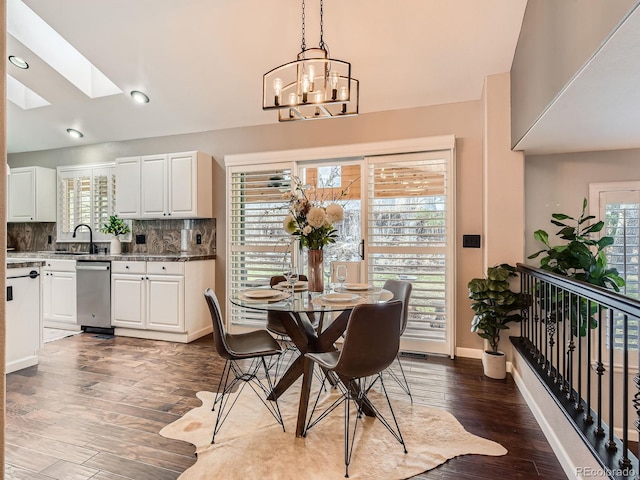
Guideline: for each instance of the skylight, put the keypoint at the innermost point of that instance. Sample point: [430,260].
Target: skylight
[22,95]
[33,32]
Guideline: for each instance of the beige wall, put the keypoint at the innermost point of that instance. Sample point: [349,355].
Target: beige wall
[464,120]
[503,187]
[559,183]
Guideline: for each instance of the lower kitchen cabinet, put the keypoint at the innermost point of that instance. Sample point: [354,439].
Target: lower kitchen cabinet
[23,330]
[161,300]
[59,294]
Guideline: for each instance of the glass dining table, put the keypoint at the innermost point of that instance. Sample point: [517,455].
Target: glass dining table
[302,306]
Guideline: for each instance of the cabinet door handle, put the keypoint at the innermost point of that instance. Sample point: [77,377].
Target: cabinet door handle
[164,268]
[127,267]
[147,278]
[141,278]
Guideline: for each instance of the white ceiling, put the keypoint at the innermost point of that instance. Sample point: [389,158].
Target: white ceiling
[202,61]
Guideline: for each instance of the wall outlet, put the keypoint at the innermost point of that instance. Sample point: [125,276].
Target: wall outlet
[141,239]
[198,238]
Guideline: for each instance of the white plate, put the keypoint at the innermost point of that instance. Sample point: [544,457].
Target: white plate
[298,286]
[260,293]
[340,297]
[357,286]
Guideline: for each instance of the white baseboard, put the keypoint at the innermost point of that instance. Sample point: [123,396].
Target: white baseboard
[475,353]
[469,352]
[21,363]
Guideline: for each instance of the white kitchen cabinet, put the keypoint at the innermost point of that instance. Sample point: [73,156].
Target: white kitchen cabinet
[128,187]
[165,303]
[23,328]
[59,294]
[161,300]
[32,195]
[174,185]
[153,188]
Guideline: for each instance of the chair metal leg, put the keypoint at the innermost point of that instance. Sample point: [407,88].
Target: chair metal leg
[396,433]
[404,384]
[282,363]
[248,377]
[223,375]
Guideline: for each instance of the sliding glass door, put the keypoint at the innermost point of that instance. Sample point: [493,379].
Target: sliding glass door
[410,237]
[399,224]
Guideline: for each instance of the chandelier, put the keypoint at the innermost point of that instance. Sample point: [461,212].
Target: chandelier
[313,86]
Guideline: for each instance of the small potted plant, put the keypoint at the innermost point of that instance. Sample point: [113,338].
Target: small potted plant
[116,227]
[495,305]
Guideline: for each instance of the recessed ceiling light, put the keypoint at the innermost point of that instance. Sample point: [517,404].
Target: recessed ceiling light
[18,62]
[139,96]
[74,133]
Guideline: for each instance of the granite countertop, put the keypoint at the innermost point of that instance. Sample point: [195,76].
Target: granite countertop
[24,263]
[142,257]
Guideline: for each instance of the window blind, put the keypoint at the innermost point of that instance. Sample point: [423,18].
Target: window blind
[408,235]
[259,245]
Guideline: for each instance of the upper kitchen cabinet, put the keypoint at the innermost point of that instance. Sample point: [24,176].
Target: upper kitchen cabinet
[32,194]
[174,185]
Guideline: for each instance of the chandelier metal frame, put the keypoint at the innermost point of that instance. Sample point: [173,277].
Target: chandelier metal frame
[314,86]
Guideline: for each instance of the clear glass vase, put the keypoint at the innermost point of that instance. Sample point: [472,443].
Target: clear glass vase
[315,271]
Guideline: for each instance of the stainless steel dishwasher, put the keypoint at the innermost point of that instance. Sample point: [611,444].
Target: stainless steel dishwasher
[93,297]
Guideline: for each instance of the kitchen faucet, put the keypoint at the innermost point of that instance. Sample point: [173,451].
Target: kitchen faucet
[92,247]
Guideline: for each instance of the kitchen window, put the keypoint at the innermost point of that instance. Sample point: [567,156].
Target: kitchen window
[86,195]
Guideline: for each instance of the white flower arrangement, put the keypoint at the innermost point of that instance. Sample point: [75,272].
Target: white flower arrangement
[310,220]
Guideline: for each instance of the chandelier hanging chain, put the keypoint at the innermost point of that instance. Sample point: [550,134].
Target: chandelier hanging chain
[322,45]
[304,43]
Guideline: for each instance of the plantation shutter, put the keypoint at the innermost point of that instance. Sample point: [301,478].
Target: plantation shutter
[410,231]
[619,208]
[258,244]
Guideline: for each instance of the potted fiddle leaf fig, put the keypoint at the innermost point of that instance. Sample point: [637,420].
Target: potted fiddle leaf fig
[495,305]
[116,227]
[580,257]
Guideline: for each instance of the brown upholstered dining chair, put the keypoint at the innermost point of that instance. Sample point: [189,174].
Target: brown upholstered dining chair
[370,345]
[234,348]
[401,290]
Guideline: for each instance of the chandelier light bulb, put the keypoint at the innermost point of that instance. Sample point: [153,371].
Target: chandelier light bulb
[305,87]
[312,76]
[344,95]
[292,98]
[277,89]
[333,80]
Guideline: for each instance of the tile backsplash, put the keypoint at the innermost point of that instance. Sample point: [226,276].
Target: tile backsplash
[161,237]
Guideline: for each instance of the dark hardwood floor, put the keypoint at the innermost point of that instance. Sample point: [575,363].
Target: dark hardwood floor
[93,407]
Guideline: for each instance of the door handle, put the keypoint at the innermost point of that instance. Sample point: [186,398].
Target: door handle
[362,249]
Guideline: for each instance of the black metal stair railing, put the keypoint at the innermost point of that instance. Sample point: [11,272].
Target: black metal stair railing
[567,332]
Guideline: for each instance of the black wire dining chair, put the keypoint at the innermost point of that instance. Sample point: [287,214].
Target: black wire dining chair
[236,349]
[371,344]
